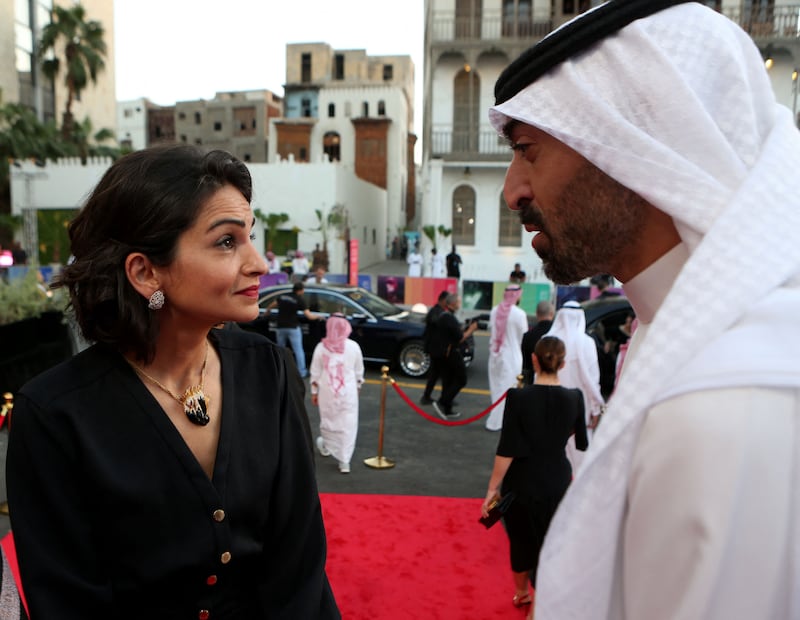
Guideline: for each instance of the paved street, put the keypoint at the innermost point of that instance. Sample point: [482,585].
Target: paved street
[430,459]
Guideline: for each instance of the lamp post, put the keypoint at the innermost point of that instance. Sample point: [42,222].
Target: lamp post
[794,95]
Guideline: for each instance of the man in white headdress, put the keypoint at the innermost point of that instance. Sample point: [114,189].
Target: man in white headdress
[655,129]
[507,325]
[581,368]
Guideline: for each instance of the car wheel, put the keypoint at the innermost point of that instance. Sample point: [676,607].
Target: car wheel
[413,360]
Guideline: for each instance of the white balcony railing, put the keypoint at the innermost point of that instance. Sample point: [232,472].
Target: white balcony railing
[768,22]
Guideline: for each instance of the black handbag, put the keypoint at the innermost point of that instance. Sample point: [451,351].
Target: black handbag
[496,510]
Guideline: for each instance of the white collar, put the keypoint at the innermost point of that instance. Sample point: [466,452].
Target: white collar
[648,289]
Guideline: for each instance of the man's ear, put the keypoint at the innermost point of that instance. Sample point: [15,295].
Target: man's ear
[537,367]
[562,364]
[142,274]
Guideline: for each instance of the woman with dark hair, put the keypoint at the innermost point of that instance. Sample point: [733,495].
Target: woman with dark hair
[531,461]
[167,470]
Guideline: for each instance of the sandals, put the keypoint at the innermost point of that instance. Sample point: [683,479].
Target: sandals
[522,599]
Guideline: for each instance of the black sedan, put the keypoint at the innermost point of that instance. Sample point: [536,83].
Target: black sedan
[604,318]
[386,333]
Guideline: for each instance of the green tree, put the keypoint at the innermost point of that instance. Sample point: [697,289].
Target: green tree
[84,51]
[271,222]
[430,233]
[22,136]
[335,218]
[445,232]
[84,144]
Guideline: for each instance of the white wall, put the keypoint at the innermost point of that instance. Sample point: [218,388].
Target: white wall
[284,187]
[64,184]
[299,189]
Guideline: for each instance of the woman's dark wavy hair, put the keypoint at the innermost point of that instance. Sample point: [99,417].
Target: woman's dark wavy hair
[143,203]
[551,353]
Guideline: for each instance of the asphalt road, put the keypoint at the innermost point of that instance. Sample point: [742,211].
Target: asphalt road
[429,458]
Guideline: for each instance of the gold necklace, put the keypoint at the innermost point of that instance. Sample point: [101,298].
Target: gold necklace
[195,402]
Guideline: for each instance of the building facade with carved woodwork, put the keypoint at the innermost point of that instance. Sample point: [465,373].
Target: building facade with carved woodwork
[467,45]
[357,111]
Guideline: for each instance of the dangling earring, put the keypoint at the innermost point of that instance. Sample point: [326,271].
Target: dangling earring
[156,301]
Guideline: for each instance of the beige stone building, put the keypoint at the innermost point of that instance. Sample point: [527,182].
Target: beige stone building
[21,81]
[237,122]
[356,110]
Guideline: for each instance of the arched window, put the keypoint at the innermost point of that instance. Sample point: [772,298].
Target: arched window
[365,109]
[331,110]
[464,215]
[381,108]
[330,145]
[509,230]
[466,111]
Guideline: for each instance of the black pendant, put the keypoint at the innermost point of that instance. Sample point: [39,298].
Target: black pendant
[195,407]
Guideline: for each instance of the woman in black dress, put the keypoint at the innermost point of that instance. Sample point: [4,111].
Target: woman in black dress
[531,462]
[133,495]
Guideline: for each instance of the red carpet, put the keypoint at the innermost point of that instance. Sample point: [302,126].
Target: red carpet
[394,557]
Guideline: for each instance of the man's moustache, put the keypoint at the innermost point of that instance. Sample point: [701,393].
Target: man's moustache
[529,214]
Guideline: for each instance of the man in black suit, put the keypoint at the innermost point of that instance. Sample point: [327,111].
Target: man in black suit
[544,320]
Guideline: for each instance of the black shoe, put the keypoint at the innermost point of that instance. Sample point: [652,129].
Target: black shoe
[440,410]
[426,400]
[454,415]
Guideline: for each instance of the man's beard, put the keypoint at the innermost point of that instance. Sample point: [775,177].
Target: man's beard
[594,221]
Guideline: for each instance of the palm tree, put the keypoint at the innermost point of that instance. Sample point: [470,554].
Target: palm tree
[334,219]
[430,233]
[445,232]
[80,146]
[271,222]
[84,53]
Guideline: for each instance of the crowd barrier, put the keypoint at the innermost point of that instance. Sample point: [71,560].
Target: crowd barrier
[380,461]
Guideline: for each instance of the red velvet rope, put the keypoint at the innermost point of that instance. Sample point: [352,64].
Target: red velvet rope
[428,416]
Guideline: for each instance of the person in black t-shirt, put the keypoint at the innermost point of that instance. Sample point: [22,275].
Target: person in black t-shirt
[445,343]
[435,371]
[517,275]
[453,262]
[290,306]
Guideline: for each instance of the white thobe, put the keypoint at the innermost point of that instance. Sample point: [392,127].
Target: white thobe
[414,261]
[711,520]
[338,399]
[437,267]
[505,364]
[571,377]
[300,266]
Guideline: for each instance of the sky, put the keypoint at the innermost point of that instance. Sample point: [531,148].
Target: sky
[178,50]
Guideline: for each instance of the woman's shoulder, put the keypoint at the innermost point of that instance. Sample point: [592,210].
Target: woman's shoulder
[537,389]
[234,338]
[85,370]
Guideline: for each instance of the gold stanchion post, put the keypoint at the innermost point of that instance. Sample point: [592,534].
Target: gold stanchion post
[5,415]
[381,462]
[520,381]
